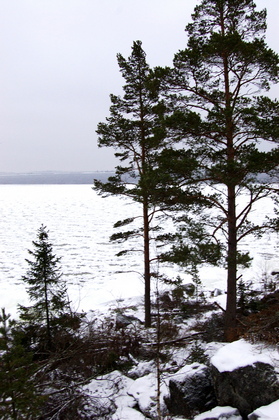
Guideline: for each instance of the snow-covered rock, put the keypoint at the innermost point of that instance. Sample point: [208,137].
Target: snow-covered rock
[142,369]
[190,391]
[220,413]
[270,412]
[110,392]
[244,376]
[122,320]
[127,413]
[241,353]
[144,391]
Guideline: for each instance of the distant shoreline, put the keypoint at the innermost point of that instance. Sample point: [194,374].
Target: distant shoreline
[49,177]
[68,178]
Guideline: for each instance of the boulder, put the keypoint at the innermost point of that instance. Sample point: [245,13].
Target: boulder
[108,394]
[243,377]
[128,413]
[144,391]
[190,391]
[217,292]
[189,288]
[122,321]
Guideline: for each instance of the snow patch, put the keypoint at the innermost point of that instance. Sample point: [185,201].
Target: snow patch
[270,412]
[144,391]
[112,390]
[241,353]
[220,413]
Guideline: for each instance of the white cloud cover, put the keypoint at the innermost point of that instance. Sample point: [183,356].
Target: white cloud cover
[59,66]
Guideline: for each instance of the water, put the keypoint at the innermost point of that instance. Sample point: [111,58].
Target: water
[80,223]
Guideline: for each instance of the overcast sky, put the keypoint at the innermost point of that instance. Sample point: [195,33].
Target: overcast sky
[58,67]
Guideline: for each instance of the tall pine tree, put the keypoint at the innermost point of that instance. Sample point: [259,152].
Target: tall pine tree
[218,111]
[133,129]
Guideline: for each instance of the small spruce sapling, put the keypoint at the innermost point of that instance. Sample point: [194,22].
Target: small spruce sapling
[46,289]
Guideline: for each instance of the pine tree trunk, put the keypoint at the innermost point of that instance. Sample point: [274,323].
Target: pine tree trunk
[47,314]
[230,317]
[147,275]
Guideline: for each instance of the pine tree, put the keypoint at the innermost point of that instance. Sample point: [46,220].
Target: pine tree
[45,288]
[134,131]
[218,112]
[18,396]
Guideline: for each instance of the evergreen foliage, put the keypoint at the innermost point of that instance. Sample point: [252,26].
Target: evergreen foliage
[18,395]
[47,290]
[135,132]
[217,112]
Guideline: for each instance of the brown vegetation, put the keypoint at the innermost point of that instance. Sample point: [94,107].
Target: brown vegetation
[264,324]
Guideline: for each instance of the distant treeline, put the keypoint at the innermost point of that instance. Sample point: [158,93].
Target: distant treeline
[72,177]
[54,177]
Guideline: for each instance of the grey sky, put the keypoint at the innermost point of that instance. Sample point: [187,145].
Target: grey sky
[58,67]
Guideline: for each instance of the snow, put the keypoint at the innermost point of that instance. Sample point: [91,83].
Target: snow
[188,370]
[270,412]
[142,369]
[220,413]
[144,390]
[126,394]
[127,413]
[112,389]
[241,353]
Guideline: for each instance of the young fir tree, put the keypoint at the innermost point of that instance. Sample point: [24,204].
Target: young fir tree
[18,396]
[45,288]
[134,131]
[218,111]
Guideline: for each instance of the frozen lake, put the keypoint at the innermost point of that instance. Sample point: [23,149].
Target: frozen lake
[80,223]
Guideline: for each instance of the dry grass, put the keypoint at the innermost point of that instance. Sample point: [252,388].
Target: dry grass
[263,325]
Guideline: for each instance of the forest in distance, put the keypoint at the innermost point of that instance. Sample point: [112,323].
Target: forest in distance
[62,177]
[53,177]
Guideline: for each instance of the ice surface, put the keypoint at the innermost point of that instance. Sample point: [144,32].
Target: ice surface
[80,224]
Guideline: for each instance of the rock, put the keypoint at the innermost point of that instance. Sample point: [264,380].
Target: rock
[165,299]
[122,321]
[189,288]
[144,391]
[108,394]
[127,413]
[246,388]
[141,369]
[217,292]
[243,377]
[220,413]
[266,412]
[190,391]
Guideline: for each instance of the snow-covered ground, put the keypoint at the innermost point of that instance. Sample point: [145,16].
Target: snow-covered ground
[80,223]
[127,395]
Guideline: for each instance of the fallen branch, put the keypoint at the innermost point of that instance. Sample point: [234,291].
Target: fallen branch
[219,306]
[176,340]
